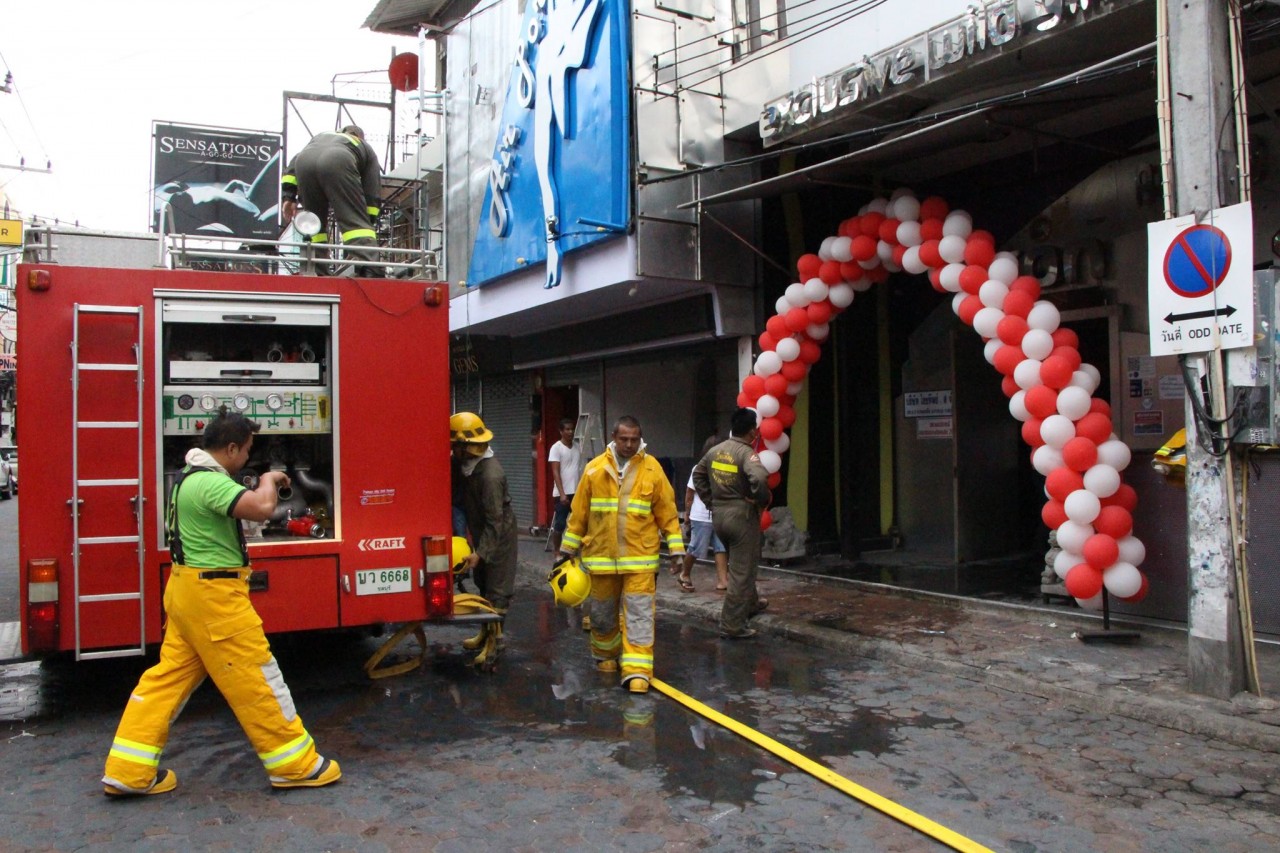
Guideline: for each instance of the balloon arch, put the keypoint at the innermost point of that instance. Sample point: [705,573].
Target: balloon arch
[1050,389]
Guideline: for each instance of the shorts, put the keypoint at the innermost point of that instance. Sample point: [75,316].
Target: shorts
[703,534]
[561,518]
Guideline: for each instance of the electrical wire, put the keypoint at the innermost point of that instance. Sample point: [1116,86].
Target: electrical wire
[17,91]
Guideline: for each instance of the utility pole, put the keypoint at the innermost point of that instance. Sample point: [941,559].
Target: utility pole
[1206,177]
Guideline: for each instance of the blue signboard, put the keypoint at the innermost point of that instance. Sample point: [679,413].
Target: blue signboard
[560,175]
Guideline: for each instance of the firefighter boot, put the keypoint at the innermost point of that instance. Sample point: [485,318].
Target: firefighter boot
[473,643]
[326,774]
[165,781]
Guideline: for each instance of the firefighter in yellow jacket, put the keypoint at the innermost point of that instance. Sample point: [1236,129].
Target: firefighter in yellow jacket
[622,508]
[213,629]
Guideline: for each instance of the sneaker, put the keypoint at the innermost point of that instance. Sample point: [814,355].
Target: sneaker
[638,685]
[606,666]
[744,634]
[762,604]
[166,780]
[326,774]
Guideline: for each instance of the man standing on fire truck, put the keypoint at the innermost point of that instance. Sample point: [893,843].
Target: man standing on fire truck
[338,171]
[623,505]
[213,629]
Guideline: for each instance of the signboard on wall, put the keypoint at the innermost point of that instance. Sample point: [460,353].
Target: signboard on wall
[217,181]
[560,175]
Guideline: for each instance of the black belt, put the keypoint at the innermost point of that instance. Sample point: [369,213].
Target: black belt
[214,576]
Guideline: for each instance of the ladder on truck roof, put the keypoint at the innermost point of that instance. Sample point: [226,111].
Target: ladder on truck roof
[83,483]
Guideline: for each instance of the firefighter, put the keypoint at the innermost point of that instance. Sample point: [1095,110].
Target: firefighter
[486,500]
[213,629]
[623,507]
[734,486]
[338,171]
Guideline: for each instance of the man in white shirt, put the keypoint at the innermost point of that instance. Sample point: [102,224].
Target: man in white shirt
[701,537]
[566,467]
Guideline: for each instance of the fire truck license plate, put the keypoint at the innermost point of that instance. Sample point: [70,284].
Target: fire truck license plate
[380,581]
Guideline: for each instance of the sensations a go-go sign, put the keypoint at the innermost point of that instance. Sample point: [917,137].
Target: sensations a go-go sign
[1200,281]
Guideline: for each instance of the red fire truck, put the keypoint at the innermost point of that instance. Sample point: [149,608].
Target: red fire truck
[121,369]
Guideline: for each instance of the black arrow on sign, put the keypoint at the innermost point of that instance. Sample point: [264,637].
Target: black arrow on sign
[1200,315]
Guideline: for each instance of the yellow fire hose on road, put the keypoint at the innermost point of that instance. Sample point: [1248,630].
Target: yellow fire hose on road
[918,822]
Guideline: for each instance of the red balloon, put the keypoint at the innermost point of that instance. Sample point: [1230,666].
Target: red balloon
[1064,337]
[1031,428]
[969,309]
[1018,303]
[1125,497]
[777,326]
[1008,357]
[745,402]
[753,386]
[770,429]
[1083,581]
[810,352]
[1100,551]
[1055,371]
[785,400]
[1115,521]
[878,274]
[795,370]
[934,207]
[829,272]
[766,519]
[889,231]
[863,248]
[1080,454]
[979,252]
[972,278]
[1010,329]
[898,253]
[850,271]
[819,312]
[775,384]
[1041,401]
[796,320]
[1100,406]
[870,224]
[774,479]
[767,342]
[1141,593]
[930,229]
[808,266]
[850,227]
[1062,482]
[980,234]
[1071,354]
[1008,386]
[787,416]
[935,279]
[1053,514]
[1094,426]
[929,253]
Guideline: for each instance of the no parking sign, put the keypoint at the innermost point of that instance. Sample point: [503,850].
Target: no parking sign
[1200,281]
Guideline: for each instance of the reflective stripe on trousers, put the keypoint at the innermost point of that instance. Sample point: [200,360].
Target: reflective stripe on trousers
[621,608]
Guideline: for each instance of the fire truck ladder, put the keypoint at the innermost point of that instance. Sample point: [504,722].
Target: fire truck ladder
[78,483]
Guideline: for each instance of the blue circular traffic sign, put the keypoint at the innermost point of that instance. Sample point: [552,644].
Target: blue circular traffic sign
[1197,261]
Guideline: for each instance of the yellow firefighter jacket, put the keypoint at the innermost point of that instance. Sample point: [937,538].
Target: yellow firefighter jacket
[617,519]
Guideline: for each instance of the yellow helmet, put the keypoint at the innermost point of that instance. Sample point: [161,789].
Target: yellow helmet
[469,429]
[570,583]
[461,550]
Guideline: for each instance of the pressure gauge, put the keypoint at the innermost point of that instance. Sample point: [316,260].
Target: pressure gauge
[242,402]
[186,401]
[275,402]
[208,402]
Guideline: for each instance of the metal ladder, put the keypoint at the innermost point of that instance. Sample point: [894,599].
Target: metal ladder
[78,483]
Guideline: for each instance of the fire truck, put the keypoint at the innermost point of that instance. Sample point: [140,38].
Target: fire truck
[123,363]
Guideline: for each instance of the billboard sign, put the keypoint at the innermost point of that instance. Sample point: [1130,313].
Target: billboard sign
[217,181]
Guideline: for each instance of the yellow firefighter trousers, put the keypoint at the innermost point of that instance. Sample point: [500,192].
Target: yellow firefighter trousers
[212,630]
[625,636]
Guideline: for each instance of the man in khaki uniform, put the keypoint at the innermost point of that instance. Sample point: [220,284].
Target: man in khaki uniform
[734,485]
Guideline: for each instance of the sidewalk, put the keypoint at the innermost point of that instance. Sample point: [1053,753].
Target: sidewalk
[1024,649]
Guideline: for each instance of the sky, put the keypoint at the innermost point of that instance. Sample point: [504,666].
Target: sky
[90,76]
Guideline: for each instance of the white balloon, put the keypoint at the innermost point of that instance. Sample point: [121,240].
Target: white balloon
[870,263]
[957,223]
[1093,372]
[1073,402]
[767,363]
[956,301]
[949,276]
[817,332]
[824,251]
[1085,381]
[906,208]
[989,349]
[1122,580]
[986,321]
[1018,406]
[841,295]
[1046,459]
[780,444]
[816,290]
[1072,535]
[951,248]
[1037,344]
[1003,269]
[795,388]
[1065,562]
[909,233]
[767,406]
[1057,431]
[795,297]
[1082,505]
[880,204]
[1115,453]
[1027,373]
[1043,315]
[862,285]
[899,193]
[1006,254]
[783,305]
[1094,603]
[884,251]
[911,261]
[788,349]
[992,293]
[1132,550]
[770,460]
[891,266]
[840,249]
[1102,480]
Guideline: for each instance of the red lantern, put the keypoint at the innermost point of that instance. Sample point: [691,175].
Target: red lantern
[770,429]
[1100,551]
[1083,581]
[1115,521]
[1061,482]
[972,278]
[808,266]
[1080,454]
[1041,401]
[1053,514]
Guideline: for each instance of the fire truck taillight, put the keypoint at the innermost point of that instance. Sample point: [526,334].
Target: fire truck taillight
[42,605]
[38,279]
[439,579]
